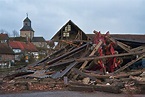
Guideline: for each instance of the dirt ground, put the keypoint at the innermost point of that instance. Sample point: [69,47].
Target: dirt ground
[68,94]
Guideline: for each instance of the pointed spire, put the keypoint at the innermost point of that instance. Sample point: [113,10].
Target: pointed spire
[27,14]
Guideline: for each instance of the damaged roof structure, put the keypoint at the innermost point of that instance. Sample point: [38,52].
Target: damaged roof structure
[70,31]
[104,62]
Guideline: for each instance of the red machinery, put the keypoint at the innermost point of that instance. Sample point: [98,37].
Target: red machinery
[107,48]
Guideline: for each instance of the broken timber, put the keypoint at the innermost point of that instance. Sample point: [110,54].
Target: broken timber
[115,76]
[66,54]
[92,53]
[129,64]
[137,48]
[122,45]
[67,61]
[75,70]
[62,73]
[109,56]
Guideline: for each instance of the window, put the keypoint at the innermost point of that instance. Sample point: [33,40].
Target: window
[65,34]
[68,28]
[66,31]
[3,41]
[26,24]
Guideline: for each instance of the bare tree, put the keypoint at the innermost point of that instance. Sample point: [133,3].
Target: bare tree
[15,33]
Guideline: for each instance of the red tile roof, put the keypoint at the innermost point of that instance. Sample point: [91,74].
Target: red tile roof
[16,45]
[5,49]
[4,36]
[30,47]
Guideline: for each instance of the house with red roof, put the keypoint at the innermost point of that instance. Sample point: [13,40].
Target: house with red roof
[22,49]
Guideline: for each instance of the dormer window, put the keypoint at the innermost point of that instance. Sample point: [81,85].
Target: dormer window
[66,31]
[68,28]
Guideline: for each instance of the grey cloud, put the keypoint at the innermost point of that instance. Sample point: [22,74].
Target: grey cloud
[47,16]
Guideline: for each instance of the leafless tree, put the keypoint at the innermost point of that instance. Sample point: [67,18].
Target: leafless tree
[15,33]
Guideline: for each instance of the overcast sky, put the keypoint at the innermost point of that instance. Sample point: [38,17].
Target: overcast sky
[48,16]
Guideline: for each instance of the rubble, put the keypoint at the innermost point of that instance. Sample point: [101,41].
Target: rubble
[104,65]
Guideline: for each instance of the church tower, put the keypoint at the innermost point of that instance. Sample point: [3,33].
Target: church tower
[27,30]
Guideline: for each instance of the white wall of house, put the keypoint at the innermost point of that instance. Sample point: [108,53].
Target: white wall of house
[36,55]
[3,41]
[17,54]
[17,50]
[6,60]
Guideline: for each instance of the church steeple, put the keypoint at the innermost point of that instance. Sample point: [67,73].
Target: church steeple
[27,22]
[27,25]
[27,30]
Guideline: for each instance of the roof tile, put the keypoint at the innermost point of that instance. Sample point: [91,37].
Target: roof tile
[30,47]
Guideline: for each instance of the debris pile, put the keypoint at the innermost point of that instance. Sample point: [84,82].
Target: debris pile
[21,85]
[104,64]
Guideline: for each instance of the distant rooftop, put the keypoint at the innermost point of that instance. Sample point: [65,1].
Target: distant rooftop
[4,36]
[128,37]
[38,39]
[5,49]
